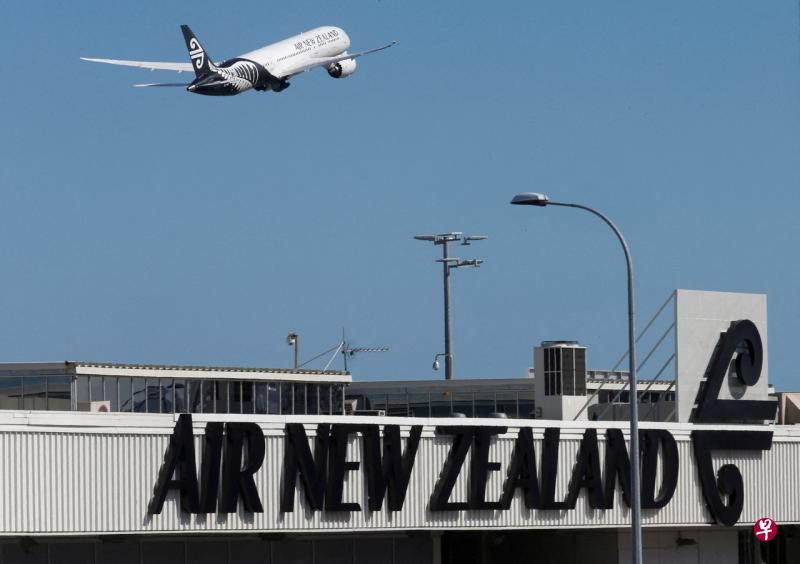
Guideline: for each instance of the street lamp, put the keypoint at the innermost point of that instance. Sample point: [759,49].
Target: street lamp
[293,340]
[449,263]
[541,200]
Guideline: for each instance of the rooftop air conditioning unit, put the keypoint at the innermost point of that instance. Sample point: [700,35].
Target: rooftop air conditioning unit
[103,406]
[562,367]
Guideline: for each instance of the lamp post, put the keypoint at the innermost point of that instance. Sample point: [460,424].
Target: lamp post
[293,340]
[448,263]
[541,200]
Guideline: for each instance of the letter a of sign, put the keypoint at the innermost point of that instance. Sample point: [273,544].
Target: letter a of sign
[180,456]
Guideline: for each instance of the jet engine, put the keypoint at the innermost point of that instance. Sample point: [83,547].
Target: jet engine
[342,69]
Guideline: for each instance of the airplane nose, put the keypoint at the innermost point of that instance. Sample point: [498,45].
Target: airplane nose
[191,87]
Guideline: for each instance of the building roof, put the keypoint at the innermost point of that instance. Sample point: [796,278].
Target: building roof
[83,368]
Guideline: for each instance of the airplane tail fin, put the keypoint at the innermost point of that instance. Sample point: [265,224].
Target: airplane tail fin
[201,61]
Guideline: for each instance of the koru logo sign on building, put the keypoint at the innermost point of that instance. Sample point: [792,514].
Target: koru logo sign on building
[234,452]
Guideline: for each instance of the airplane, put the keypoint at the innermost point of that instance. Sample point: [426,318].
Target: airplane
[265,69]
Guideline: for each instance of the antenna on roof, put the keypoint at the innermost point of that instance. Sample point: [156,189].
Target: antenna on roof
[345,349]
[348,351]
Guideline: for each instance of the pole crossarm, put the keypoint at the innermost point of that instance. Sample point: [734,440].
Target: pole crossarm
[449,263]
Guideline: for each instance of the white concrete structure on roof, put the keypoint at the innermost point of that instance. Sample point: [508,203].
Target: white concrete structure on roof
[700,318]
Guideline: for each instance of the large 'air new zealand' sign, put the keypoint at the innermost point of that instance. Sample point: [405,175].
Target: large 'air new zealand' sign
[387,463]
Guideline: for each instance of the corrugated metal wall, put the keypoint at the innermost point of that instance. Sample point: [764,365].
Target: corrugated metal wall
[94,473]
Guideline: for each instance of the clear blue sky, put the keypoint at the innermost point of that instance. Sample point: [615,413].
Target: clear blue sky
[159,226]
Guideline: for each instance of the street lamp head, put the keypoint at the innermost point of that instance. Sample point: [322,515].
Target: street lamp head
[425,237]
[530,199]
[467,240]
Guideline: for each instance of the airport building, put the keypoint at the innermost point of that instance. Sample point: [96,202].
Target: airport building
[117,463]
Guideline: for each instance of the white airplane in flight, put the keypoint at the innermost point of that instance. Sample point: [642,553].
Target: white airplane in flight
[267,68]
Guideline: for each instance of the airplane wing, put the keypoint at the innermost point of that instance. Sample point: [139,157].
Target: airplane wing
[179,67]
[325,61]
[161,84]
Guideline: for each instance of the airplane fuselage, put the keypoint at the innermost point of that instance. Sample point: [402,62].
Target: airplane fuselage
[268,67]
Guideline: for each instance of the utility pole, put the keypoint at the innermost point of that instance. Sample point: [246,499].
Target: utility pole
[293,339]
[448,263]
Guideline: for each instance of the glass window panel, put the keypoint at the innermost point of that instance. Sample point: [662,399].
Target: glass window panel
[235,395]
[376,400]
[398,405]
[247,551]
[312,398]
[418,405]
[71,552]
[299,399]
[261,397]
[165,404]
[206,551]
[32,553]
[248,403]
[180,395]
[324,399]
[125,394]
[209,390]
[118,552]
[110,393]
[83,388]
[337,391]
[369,549]
[462,403]
[484,404]
[286,398]
[58,393]
[336,551]
[440,404]
[273,398]
[417,549]
[139,395]
[194,397]
[292,552]
[153,395]
[507,403]
[33,393]
[96,388]
[526,404]
[222,399]
[163,552]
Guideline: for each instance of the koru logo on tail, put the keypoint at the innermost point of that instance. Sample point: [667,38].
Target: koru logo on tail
[196,53]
